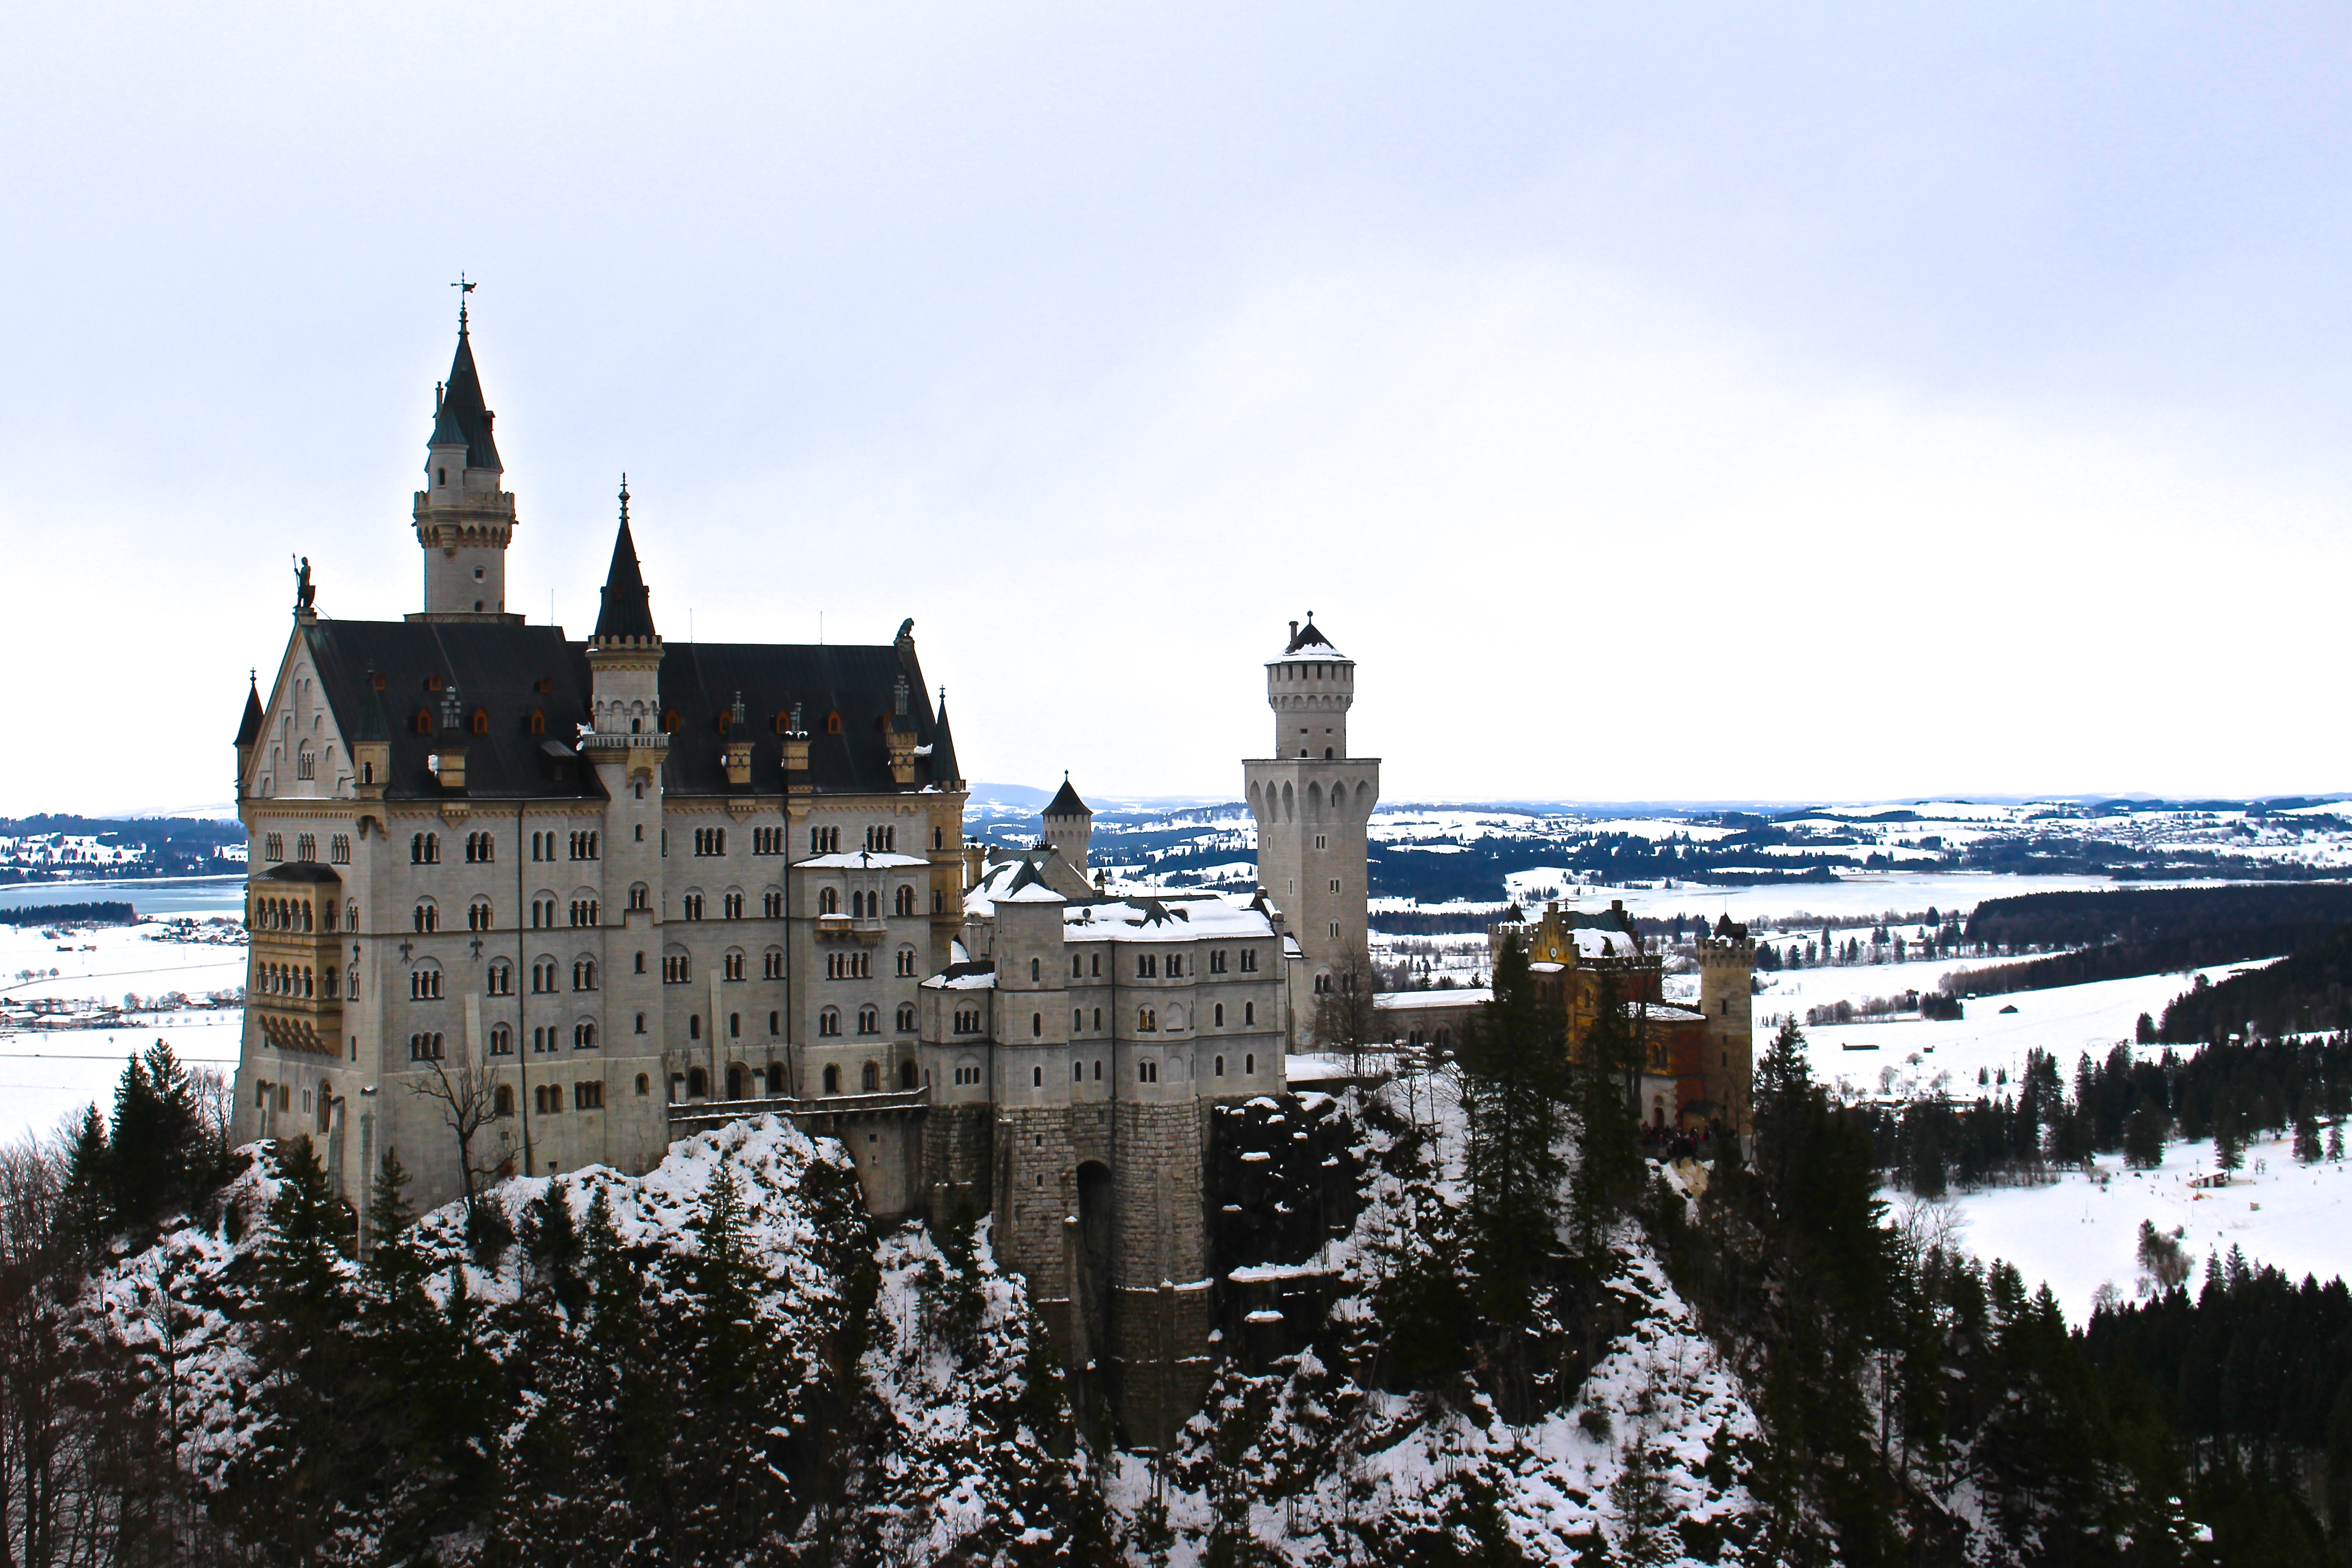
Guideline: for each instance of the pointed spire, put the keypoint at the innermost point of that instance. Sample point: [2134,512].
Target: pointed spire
[943,757]
[248,729]
[459,416]
[627,610]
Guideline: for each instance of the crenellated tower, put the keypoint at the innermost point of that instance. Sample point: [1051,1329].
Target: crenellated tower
[1312,802]
[464,521]
[1727,971]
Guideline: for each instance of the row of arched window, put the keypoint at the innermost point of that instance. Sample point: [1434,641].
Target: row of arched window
[292,915]
[869,1078]
[294,981]
[869,1020]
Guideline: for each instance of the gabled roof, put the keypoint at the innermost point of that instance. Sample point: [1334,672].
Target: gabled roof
[462,415]
[627,609]
[501,667]
[1066,803]
[248,729]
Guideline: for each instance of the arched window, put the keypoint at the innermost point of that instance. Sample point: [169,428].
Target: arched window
[1077,1072]
[1037,1077]
[906,901]
[869,1078]
[906,1074]
[832,1080]
[1221,1066]
[775,1077]
[1249,1062]
[1036,1026]
[502,1101]
[906,1017]
[1147,1072]
[644,1085]
[1077,1020]
[1147,1021]
[583,1036]
[1221,1014]
[869,1020]
[828,900]
[829,1021]
[697,1084]
[694,1025]
[426,916]
[502,1040]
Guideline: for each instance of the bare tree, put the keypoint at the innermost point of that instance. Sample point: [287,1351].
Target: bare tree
[1347,1016]
[468,1100]
[214,1093]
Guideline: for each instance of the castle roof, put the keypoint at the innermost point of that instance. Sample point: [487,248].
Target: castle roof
[943,757]
[1307,642]
[512,672]
[627,610]
[461,416]
[248,728]
[1066,803]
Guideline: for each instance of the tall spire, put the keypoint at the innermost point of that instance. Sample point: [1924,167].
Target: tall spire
[464,518]
[627,610]
[461,416]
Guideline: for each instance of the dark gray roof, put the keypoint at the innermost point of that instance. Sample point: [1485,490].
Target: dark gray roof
[248,728]
[1307,636]
[627,609]
[499,669]
[943,757]
[462,416]
[1066,803]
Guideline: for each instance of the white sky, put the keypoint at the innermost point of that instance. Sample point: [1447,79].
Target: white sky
[1659,401]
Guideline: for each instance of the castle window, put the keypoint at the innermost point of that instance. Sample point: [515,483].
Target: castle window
[710,841]
[338,850]
[1146,1020]
[1175,965]
[585,912]
[306,846]
[1036,1026]
[669,722]
[548,1099]
[1335,884]
[478,915]
[906,901]
[869,1078]
[1035,972]
[500,981]
[542,977]
[771,904]
[732,905]
[306,763]
[694,1025]
[1077,1020]
[1037,1080]
[1249,961]
[833,724]
[1249,1062]
[1094,966]
[829,1021]
[1098,1020]
[730,967]
[543,1040]
[588,1095]
[1322,841]
[832,1080]
[824,840]
[502,1040]
[1249,1012]
[881,840]
[906,963]
[1146,1072]
[734,1026]
[537,723]
[767,841]
[428,917]
[502,1101]
[775,1076]
[1078,966]
[690,906]
[425,1048]
[640,896]
[828,900]
[1327,753]
[1077,1072]
[423,722]
[640,1017]
[481,724]
[1221,1066]
[1146,965]
[1221,1014]
[772,965]
[583,974]
[583,1036]
[677,969]
[273,846]
[906,1017]
[1216,961]
[644,1085]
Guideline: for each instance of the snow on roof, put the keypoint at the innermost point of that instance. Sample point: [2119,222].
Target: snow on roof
[972,977]
[1592,943]
[1417,1001]
[860,859]
[1664,1013]
[1175,918]
[1030,893]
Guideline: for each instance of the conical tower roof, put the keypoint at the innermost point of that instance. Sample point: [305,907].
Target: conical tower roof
[248,729]
[1068,804]
[462,416]
[627,611]
[943,757]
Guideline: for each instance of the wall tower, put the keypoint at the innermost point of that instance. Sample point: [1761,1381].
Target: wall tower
[463,519]
[1727,965]
[1312,800]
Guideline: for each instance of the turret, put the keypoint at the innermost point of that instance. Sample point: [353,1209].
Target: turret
[624,653]
[1069,826]
[248,731]
[1310,688]
[1727,963]
[463,519]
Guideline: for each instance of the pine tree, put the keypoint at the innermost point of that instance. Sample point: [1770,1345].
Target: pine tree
[1511,1083]
[2306,1139]
[2228,1153]
[1607,1089]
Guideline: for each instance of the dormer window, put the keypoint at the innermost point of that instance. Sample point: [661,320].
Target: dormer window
[481,722]
[833,724]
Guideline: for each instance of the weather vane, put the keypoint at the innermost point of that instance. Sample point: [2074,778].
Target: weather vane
[463,288]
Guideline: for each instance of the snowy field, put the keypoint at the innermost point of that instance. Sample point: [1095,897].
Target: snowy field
[2084,1232]
[2065,1021]
[48,1075]
[1855,894]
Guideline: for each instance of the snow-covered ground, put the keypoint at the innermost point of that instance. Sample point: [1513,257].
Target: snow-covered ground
[2065,1021]
[49,1074]
[1855,894]
[2084,1231]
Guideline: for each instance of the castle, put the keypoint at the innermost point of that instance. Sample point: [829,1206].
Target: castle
[524,904]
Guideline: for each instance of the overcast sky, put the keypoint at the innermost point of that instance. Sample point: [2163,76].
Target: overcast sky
[1657,402]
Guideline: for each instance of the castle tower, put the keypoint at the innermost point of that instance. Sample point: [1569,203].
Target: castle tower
[1312,801]
[1069,828]
[627,748]
[463,519]
[1727,965]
